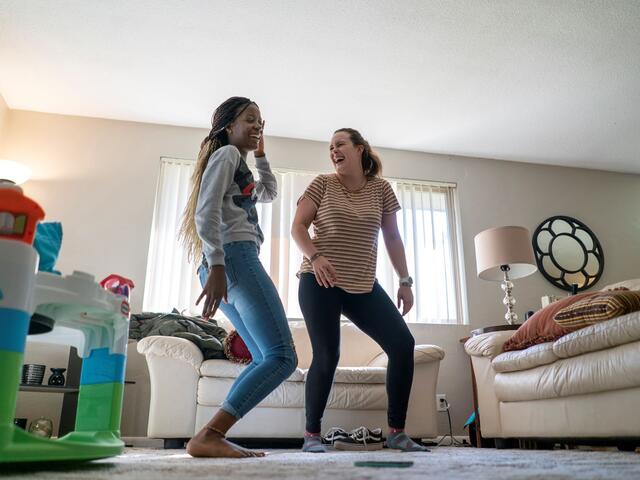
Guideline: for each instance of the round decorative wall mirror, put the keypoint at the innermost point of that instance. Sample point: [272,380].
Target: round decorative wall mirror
[568,253]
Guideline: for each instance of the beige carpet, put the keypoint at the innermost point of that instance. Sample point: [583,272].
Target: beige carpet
[447,463]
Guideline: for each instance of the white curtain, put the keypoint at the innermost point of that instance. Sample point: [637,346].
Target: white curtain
[170,281]
[279,253]
[427,224]
[429,231]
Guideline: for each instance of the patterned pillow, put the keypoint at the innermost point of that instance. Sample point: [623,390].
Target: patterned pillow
[604,306]
[540,327]
[235,349]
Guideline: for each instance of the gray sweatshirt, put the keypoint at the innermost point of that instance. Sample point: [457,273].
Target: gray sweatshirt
[226,210]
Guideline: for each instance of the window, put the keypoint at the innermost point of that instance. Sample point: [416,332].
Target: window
[427,223]
[429,230]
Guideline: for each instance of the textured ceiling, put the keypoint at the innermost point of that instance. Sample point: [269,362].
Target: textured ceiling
[552,81]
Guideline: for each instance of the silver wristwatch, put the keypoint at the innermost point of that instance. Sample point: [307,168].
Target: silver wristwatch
[406,281]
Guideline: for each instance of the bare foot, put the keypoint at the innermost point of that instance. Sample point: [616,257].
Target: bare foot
[210,444]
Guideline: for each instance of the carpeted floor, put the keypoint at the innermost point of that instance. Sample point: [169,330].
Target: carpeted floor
[447,463]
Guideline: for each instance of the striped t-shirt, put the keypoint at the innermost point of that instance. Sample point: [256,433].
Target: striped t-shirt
[346,226]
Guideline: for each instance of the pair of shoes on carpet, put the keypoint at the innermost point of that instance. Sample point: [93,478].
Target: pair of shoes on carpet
[360,438]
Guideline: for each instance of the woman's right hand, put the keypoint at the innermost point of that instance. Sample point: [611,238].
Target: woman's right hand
[214,291]
[325,273]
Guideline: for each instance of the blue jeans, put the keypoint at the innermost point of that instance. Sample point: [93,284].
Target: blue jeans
[255,310]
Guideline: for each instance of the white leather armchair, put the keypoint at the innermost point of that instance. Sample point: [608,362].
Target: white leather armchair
[585,385]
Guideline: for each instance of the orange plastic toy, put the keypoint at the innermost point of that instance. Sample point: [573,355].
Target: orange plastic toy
[19,215]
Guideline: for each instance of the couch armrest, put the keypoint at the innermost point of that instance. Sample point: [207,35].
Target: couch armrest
[421,354]
[174,372]
[171,347]
[487,344]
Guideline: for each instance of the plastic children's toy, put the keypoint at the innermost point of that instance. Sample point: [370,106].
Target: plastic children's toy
[18,214]
[84,315]
[118,285]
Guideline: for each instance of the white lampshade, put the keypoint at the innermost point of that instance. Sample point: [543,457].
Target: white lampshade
[14,172]
[500,246]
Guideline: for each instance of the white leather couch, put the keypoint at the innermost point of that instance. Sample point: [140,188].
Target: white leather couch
[585,385]
[187,391]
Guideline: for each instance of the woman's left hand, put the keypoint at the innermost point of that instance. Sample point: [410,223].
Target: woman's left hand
[259,152]
[405,296]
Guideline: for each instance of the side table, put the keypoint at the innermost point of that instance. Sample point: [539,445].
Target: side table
[479,441]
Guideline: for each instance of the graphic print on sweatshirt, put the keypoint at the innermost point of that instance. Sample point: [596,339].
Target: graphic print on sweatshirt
[247,198]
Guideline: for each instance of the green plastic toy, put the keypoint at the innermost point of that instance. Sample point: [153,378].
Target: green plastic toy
[84,315]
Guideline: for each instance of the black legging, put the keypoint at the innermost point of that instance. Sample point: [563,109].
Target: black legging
[376,315]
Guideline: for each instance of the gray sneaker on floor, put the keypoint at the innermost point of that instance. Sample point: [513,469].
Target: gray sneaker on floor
[361,438]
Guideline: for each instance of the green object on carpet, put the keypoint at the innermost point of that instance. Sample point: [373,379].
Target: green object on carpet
[383,464]
[470,420]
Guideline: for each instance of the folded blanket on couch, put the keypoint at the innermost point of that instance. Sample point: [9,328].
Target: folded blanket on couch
[206,335]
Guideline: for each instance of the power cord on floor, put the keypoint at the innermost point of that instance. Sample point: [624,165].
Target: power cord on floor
[453,442]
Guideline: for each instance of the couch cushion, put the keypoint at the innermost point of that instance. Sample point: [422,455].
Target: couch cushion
[421,354]
[617,331]
[599,308]
[359,375]
[356,348]
[531,357]
[302,343]
[615,368]
[227,369]
[212,392]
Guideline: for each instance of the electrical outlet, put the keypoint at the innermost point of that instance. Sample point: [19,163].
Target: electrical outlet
[441,402]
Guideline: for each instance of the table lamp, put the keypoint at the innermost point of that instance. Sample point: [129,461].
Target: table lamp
[504,254]
[13,173]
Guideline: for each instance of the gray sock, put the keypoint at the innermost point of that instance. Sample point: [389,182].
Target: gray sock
[400,441]
[313,444]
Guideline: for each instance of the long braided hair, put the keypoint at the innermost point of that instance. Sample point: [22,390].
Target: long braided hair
[371,163]
[225,114]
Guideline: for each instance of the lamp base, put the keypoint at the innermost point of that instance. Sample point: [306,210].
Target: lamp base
[507,286]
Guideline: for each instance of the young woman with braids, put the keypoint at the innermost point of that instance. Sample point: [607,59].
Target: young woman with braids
[220,225]
[347,210]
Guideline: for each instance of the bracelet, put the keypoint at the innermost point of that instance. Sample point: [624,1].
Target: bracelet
[314,257]
[214,429]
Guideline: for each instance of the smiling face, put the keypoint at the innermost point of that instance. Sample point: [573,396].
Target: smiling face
[345,156]
[245,131]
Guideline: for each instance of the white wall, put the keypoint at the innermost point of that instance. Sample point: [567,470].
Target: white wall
[4,117]
[98,178]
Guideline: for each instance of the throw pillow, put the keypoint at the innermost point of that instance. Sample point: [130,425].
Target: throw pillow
[541,327]
[604,306]
[235,349]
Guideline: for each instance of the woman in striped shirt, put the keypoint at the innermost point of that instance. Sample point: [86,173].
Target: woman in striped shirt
[347,210]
